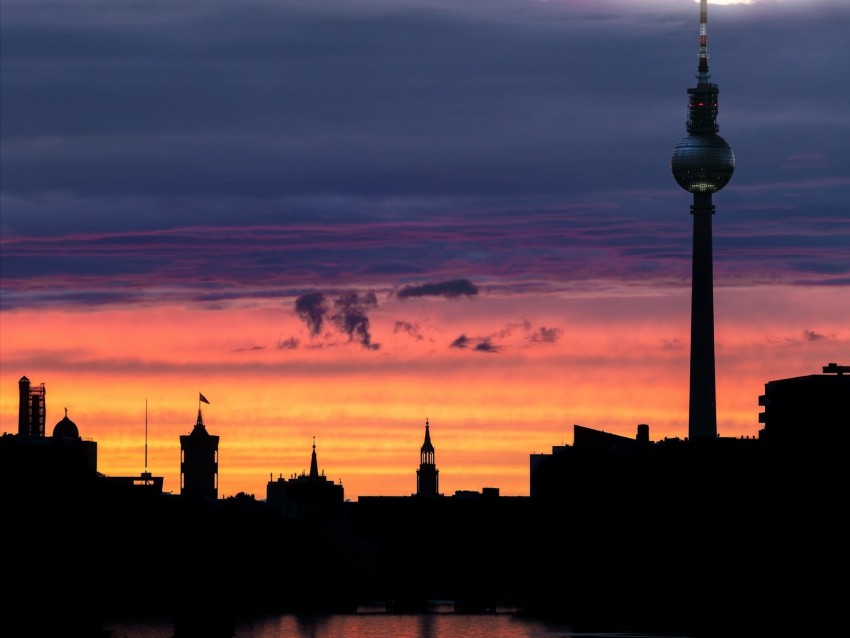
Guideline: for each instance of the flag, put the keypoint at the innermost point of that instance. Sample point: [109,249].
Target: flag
[203,398]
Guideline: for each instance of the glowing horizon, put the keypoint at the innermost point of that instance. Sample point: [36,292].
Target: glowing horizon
[367,408]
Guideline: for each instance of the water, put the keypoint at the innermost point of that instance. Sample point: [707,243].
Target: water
[376,625]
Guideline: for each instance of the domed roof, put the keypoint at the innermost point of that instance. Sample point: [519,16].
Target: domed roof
[66,428]
[703,163]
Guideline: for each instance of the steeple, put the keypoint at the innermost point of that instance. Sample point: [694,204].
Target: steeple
[314,464]
[427,449]
[427,476]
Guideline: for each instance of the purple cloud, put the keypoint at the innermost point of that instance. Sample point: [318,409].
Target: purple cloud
[288,344]
[545,335]
[350,317]
[485,345]
[448,289]
[312,308]
[410,328]
[461,342]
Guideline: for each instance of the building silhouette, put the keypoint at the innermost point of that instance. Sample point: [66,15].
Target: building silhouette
[61,463]
[306,494]
[807,424]
[31,410]
[64,462]
[427,476]
[702,164]
[199,462]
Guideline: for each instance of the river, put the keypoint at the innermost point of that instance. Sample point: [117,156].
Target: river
[437,624]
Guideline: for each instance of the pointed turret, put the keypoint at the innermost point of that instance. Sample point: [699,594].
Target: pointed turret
[314,464]
[427,446]
[427,475]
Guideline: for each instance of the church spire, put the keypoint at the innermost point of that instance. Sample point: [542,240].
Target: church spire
[314,464]
[427,475]
[427,446]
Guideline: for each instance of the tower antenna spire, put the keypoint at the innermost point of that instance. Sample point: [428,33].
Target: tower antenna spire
[702,70]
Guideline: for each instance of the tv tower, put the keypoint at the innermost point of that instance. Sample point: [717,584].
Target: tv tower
[702,164]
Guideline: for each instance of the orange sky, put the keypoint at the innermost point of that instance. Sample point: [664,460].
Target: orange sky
[616,357]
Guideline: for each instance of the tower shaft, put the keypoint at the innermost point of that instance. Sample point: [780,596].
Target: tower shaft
[702,408]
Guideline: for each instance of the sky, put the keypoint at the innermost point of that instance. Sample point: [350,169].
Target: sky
[338,219]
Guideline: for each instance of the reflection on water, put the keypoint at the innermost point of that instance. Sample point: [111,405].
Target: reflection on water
[375,625]
[394,625]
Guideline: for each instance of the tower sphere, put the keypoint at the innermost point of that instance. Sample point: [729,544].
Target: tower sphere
[703,163]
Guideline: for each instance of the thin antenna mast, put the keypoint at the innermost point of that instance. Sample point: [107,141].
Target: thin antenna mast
[702,74]
[146,436]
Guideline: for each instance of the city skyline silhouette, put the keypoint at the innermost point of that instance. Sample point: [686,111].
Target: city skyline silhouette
[457,254]
[475,551]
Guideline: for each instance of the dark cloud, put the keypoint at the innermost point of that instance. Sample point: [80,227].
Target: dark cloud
[347,312]
[545,335]
[249,349]
[288,344]
[449,289]
[811,335]
[524,325]
[477,345]
[461,342]
[485,345]
[312,308]
[410,328]
[518,99]
[350,317]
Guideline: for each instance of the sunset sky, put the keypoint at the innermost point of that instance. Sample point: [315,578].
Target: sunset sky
[337,219]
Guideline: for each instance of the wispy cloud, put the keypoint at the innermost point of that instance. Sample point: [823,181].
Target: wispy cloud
[461,342]
[409,328]
[290,343]
[312,307]
[350,317]
[347,312]
[545,335]
[448,289]
[485,345]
